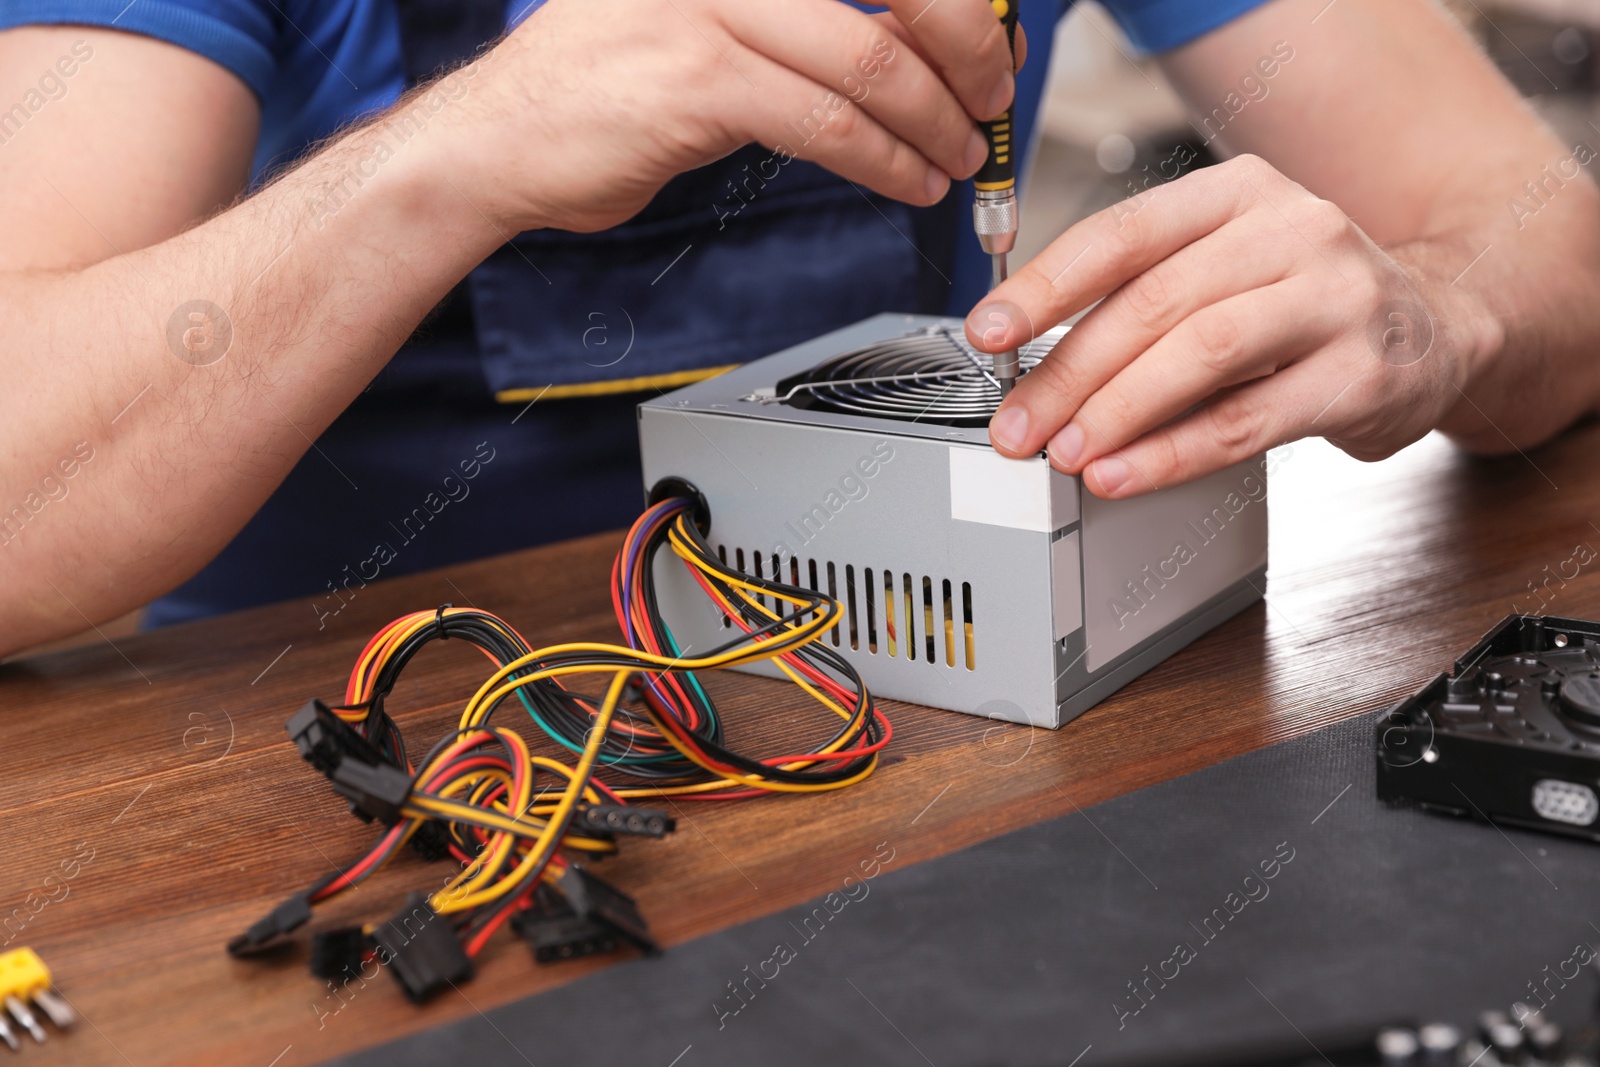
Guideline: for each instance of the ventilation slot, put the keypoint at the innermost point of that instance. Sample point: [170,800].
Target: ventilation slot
[910,620]
[722,554]
[833,594]
[966,625]
[888,611]
[850,605]
[872,611]
[894,632]
[811,571]
[949,627]
[755,563]
[780,606]
[947,635]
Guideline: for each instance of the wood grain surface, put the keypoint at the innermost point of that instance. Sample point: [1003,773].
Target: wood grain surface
[162,758]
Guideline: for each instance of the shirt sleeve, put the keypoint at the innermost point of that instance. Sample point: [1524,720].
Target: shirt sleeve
[1161,25]
[239,35]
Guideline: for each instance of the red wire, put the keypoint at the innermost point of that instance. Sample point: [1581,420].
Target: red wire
[349,878]
[673,711]
[834,688]
[643,632]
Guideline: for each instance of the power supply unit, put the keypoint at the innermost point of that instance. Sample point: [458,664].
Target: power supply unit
[858,464]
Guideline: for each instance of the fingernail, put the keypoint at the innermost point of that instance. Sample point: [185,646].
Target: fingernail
[1009,427]
[1067,446]
[938,182]
[1111,473]
[1000,99]
[991,325]
[977,152]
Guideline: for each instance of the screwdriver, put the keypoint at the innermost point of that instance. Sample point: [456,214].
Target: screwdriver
[994,205]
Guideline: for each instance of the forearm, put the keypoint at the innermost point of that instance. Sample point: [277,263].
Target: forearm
[321,277]
[324,274]
[1532,265]
[1387,109]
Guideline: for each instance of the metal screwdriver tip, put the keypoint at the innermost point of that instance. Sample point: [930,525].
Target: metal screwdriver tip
[19,1011]
[1007,364]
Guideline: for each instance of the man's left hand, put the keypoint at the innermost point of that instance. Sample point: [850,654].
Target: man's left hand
[1237,312]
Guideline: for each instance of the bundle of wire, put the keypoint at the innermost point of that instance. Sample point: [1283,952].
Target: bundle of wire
[507,814]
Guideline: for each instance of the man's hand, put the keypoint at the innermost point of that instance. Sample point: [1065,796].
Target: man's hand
[1236,293]
[1461,298]
[123,228]
[586,110]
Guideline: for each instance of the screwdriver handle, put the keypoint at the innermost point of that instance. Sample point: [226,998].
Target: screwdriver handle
[999,171]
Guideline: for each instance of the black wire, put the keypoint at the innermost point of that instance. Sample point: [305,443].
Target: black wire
[571,715]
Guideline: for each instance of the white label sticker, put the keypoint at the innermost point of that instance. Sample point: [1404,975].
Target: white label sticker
[1024,494]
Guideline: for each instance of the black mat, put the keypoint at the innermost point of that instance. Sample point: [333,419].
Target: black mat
[1020,951]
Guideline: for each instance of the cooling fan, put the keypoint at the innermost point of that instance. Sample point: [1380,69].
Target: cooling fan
[859,465]
[928,375]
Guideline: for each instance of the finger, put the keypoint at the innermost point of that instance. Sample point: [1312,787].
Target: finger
[1236,426]
[967,43]
[1242,338]
[1111,247]
[862,66]
[889,22]
[851,143]
[1237,258]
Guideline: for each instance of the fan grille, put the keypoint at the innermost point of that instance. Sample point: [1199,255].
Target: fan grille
[930,375]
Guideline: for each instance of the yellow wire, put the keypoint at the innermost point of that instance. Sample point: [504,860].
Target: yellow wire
[525,823]
[451,899]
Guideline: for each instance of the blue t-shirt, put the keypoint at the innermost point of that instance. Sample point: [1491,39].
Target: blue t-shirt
[703,278]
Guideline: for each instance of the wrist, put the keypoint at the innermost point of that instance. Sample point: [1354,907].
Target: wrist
[438,185]
[475,155]
[1466,326]
[1470,336]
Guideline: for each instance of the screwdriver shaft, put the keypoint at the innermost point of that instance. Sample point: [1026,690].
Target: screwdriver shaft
[994,204]
[1007,364]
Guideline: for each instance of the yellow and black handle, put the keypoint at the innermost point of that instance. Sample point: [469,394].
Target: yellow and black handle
[999,170]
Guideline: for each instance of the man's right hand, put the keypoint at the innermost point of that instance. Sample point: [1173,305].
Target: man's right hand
[123,226]
[587,109]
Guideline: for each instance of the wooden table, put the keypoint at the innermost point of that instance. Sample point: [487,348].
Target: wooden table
[163,759]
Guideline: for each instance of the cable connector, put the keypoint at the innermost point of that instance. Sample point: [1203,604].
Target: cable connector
[338,954]
[592,897]
[324,739]
[422,950]
[374,787]
[624,819]
[268,932]
[431,841]
[555,932]
[375,791]
[25,984]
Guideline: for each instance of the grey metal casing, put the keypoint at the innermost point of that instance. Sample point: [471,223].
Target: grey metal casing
[1070,597]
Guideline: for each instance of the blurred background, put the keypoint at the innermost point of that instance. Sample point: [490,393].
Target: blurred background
[1110,112]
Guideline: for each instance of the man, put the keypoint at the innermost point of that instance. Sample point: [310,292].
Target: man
[191,374]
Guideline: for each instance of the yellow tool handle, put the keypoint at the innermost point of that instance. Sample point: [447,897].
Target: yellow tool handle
[999,171]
